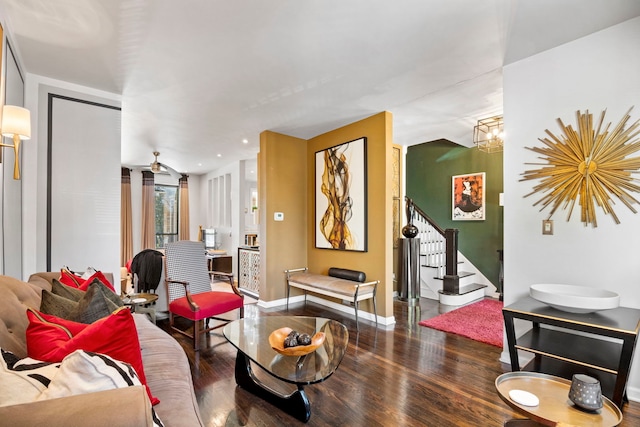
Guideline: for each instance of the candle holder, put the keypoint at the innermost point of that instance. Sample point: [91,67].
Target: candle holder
[585,392]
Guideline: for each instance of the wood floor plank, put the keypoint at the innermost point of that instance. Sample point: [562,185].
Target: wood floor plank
[406,376]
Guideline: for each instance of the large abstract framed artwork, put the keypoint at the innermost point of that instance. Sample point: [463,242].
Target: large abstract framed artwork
[468,193]
[341,196]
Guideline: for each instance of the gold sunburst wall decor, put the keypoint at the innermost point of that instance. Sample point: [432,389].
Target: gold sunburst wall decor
[590,165]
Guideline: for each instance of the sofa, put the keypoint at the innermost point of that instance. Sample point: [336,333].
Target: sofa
[165,365]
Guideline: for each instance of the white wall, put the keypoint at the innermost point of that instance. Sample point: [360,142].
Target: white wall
[597,72]
[11,198]
[229,237]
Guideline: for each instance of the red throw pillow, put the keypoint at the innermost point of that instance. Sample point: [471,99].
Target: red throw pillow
[70,279]
[51,338]
[97,275]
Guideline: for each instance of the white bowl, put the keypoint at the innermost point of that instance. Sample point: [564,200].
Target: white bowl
[574,299]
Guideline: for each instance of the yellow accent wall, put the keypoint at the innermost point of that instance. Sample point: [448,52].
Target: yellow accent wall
[377,261]
[282,188]
[287,185]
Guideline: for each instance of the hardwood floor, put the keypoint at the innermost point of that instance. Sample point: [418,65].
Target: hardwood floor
[407,376]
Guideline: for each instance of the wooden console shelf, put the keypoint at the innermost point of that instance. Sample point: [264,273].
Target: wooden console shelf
[604,352]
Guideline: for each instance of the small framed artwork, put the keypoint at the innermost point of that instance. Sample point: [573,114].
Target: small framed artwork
[341,196]
[468,197]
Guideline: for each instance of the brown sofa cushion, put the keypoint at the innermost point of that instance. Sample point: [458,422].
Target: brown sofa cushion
[44,278]
[95,409]
[16,297]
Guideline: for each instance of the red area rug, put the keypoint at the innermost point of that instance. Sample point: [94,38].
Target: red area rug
[481,321]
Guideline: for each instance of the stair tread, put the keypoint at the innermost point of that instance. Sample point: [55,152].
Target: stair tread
[461,274]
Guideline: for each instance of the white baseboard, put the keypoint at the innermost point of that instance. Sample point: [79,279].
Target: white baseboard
[382,321]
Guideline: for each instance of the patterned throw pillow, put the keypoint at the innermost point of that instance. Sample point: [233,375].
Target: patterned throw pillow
[50,339]
[23,380]
[86,372]
[69,292]
[27,380]
[76,294]
[106,292]
[93,305]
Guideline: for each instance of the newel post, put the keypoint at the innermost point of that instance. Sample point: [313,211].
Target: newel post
[451,283]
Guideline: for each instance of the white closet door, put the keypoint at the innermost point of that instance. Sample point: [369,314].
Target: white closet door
[84,177]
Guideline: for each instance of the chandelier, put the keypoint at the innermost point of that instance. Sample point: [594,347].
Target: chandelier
[488,134]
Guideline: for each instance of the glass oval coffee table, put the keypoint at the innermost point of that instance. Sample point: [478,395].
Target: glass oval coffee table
[251,337]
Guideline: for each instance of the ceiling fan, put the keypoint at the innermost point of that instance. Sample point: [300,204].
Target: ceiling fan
[157,167]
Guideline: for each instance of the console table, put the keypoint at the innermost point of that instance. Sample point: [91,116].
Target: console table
[221,263]
[605,353]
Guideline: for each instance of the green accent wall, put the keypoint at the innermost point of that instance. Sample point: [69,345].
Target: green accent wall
[429,168]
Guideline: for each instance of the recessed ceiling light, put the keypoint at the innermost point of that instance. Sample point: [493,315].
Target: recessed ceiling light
[252,172]
[245,141]
[219,155]
[199,164]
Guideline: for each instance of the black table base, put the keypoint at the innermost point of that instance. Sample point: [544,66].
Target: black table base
[295,404]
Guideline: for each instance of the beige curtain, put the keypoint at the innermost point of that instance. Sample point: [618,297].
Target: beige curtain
[126,234]
[148,211]
[183,212]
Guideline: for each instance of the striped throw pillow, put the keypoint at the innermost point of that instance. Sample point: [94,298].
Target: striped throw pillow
[27,380]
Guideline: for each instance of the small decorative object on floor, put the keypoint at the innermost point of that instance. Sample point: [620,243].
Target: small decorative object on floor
[585,392]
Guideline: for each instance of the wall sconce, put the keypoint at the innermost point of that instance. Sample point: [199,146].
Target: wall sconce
[16,124]
[488,134]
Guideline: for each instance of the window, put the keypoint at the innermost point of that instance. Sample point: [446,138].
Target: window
[166,215]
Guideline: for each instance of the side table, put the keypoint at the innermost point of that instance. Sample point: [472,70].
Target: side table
[142,303]
[605,354]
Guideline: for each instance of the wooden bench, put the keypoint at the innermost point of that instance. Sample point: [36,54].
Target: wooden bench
[339,283]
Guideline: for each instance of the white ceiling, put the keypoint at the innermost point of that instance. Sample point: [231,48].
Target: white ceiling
[199,76]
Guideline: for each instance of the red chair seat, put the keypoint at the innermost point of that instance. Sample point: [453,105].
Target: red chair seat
[210,303]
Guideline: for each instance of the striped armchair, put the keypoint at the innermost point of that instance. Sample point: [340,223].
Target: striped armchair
[189,293]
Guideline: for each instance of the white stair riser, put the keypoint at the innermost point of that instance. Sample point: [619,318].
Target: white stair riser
[456,300]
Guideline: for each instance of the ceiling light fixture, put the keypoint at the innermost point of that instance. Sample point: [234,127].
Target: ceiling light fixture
[488,134]
[245,141]
[16,124]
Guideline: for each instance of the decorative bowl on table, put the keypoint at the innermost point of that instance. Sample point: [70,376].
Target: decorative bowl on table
[574,299]
[277,337]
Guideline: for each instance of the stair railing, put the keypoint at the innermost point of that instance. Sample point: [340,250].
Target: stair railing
[438,246]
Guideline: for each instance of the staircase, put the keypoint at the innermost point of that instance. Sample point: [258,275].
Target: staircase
[441,272]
